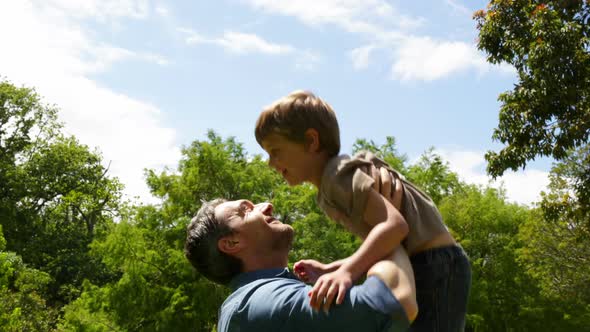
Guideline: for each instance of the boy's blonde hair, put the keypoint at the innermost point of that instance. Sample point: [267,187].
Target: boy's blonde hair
[292,115]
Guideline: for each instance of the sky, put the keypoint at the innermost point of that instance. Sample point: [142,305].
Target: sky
[139,79]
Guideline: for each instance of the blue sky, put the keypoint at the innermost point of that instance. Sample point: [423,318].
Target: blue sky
[139,79]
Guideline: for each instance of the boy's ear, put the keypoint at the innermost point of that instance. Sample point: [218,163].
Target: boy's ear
[312,140]
[230,244]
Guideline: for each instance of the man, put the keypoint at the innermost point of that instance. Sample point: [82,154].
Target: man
[240,244]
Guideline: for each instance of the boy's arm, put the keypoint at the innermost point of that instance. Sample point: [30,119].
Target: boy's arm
[389,229]
[383,181]
[310,270]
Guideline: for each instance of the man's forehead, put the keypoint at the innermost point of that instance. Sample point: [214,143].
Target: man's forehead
[225,210]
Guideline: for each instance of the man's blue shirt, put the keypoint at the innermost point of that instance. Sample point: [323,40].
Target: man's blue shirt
[275,300]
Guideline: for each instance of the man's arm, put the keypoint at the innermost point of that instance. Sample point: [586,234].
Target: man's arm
[385,301]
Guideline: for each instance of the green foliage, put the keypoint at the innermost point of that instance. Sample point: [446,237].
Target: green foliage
[88,312]
[387,151]
[2,240]
[433,175]
[548,111]
[22,305]
[213,168]
[557,242]
[486,226]
[547,114]
[61,247]
[55,197]
[158,289]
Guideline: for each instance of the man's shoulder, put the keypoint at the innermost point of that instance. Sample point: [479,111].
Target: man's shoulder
[282,305]
[263,302]
[264,285]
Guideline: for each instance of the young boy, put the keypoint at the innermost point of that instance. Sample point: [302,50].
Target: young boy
[301,136]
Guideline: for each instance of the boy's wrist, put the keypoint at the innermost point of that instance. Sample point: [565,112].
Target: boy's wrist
[333,266]
[352,269]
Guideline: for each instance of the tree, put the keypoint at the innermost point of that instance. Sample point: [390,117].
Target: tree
[433,175]
[387,151]
[158,290]
[55,195]
[547,114]
[22,303]
[548,111]
[556,247]
[503,296]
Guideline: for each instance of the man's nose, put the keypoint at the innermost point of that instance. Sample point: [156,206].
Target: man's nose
[265,208]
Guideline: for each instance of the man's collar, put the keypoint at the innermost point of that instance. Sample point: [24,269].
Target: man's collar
[247,277]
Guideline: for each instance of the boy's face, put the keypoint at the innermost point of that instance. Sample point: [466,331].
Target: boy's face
[292,160]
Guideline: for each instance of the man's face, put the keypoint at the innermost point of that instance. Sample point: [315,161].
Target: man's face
[290,159]
[255,227]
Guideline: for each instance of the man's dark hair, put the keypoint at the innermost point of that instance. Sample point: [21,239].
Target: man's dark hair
[201,249]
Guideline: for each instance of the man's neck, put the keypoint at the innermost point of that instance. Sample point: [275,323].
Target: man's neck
[264,262]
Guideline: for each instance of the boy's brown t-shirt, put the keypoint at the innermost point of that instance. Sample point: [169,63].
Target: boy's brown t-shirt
[344,190]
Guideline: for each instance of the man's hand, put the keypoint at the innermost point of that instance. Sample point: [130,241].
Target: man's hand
[387,185]
[309,270]
[329,286]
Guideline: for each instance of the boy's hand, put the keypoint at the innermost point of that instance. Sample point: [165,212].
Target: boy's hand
[329,286]
[309,270]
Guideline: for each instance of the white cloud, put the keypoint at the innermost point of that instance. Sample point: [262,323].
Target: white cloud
[193,37]
[162,10]
[523,187]
[98,9]
[423,58]
[458,7]
[243,43]
[307,60]
[239,43]
[246,43]
[360,56]
[46,48]
[361,16]
[414,57]
[155,58]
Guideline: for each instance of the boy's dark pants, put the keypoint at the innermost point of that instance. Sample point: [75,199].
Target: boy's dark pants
[443,279]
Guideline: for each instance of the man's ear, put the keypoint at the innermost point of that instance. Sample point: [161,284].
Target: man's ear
[230,244]
[312,140]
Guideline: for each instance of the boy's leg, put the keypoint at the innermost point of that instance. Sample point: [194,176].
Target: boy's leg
[398,275]
[459,287]
[443,279]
